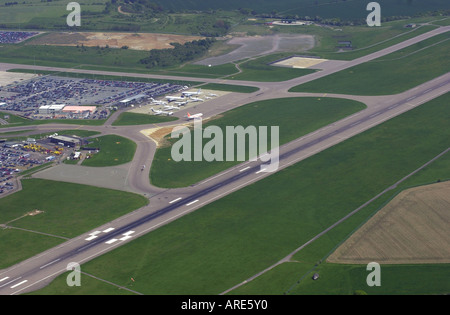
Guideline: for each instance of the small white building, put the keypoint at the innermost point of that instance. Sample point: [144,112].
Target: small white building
[51,109]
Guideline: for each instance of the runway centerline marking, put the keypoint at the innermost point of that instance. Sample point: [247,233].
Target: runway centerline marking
[175,200]
[46,265]
[16,285]
[246,168]
[192,202]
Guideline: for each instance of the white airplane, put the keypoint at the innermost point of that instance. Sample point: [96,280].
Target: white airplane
[192,93]
[181,103]
[162,112]
[195,116]
[174,98]
[171,107]
[212,94]
[195,99]
[158,102]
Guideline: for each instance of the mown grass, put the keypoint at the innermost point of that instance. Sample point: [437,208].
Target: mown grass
[391,74]
[230,88]
[68,210]
[128,119]
[114,150]
[261,70]
[294,116]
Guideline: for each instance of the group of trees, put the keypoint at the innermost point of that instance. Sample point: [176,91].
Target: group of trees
[179,54]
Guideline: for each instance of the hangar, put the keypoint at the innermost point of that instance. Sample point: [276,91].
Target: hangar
[66,140]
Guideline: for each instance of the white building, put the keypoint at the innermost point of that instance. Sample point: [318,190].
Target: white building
[51,109]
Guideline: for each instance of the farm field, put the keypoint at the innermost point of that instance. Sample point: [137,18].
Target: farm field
[412,228]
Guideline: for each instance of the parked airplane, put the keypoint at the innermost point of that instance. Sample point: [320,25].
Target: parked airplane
[212,94]
[158,102]
[161,112]
[192,93]
[181,103]
[195,116]
[174,98]
[195,99]
[171,107]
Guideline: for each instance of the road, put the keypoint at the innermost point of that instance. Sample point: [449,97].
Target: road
[168,205]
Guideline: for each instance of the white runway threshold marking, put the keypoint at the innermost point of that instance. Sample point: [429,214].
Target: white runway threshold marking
[108,230]
[5,278]
[124,238]
[93,235]
[126,235]
[244,169]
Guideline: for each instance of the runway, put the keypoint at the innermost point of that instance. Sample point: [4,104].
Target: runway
[168,205]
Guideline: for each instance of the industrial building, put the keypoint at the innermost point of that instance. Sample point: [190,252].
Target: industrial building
[51,109]
[80,111]
[134,100]
[67,141]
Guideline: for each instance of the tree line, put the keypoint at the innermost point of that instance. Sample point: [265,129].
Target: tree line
[178,54]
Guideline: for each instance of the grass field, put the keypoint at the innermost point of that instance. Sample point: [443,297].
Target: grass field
[223,243]
[230,88]
[114,150]
[295,116]
[69,210]
[259,69]
[391,74]
[128,119]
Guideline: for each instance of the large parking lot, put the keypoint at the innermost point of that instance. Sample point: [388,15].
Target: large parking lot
[26,97]
[13,160]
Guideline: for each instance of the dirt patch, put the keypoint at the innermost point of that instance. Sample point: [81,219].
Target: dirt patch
[158,135]
[412,228]
[299,62]
[137,41]
[119,9]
